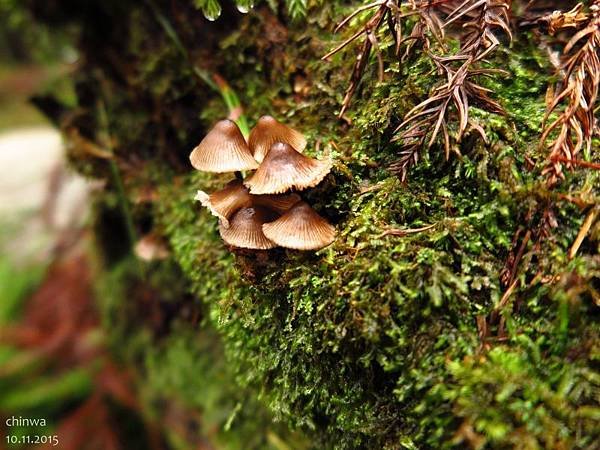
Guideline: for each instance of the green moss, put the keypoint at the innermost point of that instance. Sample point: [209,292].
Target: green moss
[341,316]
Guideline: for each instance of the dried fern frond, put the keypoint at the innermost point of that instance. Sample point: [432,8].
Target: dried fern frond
[384,10]
[558,20]
[430,23]
[390,12]
[478,20]
[578,90]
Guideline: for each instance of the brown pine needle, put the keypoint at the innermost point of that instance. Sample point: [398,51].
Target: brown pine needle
[579,162]
[583,231]
[356,12]
[506,296]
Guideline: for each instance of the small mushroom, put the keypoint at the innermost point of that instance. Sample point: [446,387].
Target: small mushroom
[284,168]
[223,149]
[227,201]
[151,247]
[245,229]
[235,195]
[300,228]
[269,131]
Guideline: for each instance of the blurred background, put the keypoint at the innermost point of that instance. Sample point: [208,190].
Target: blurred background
[53,361]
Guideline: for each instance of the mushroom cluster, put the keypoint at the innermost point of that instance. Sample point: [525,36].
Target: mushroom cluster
[262,211]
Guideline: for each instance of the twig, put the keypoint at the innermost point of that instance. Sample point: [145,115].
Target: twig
[579,162]
[583,231]
[118,180]
[358,11]
[518,257]
[506,296]
[406,231]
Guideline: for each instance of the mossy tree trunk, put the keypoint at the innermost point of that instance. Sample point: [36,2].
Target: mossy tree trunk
[399,335]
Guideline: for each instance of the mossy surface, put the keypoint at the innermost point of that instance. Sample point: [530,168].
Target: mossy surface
[375,341]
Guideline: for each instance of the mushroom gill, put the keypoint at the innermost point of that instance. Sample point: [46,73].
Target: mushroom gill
[245,229]
[269,131]
[300,228]
[223,149]
[284,168]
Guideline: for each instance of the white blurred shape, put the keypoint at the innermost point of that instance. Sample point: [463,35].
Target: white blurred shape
[37,192]
[27,158]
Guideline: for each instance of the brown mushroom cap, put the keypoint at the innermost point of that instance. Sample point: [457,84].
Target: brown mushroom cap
[227,201]
[245,229]
[223,149]
[268,131]
[300,228]
[234,196]
[284,168]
